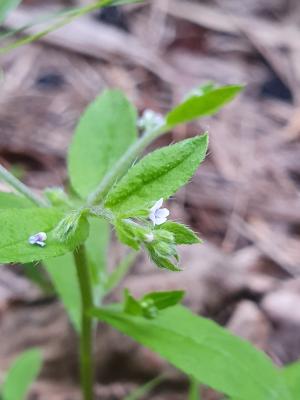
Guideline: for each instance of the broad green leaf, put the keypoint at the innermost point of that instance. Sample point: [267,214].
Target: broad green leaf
[140,392]
[291,375]
[105,131]
[202,349]
[6,6]
[207,103]
[21,374]
[11,200]
[17,225]
[119,272]
[97,247]
[182,234]
[62,271]
[159,174]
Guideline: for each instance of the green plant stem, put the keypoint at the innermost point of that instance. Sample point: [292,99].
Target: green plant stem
[123,164]
[69,17]
[86,366]
[21,188]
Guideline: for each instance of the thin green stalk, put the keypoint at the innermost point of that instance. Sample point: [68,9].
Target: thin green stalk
[123,164]
[70,16]
[86,365]
[21,188]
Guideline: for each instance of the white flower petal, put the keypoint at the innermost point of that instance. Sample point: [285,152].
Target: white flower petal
[162,213]
[152,217]
[157,205]
[161,220]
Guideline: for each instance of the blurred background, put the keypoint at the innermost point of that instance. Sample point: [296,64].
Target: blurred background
[244,201]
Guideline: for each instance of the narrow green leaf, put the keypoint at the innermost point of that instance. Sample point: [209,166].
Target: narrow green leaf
[163,300]
[202,105]
[106,129]
[204,350]
[119,272]
[17,225]
[145,389]
[11,200]
[291,375]
[182,234]
[159,174]
[21,374]
[6,6]
[62,272]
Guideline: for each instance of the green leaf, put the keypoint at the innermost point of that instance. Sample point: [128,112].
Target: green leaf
[105,131]
[182,234]
[159,174]
[163,300]
[6,6]
[202,349]
[62,272]
[149,305]
[207,103]
[145,389]
[97,247]
[291,375]
[17,225]
[126,235]
[11,200]
[21,374]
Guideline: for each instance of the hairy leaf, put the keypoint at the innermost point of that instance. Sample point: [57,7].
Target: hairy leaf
[104,132]
[182,234]
[21,374]
[207,103]
[11,200]
[17,225]
[204,350]
[159,174]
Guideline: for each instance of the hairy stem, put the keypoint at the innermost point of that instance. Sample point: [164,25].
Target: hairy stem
[86,365]
[123,164]
[21,188]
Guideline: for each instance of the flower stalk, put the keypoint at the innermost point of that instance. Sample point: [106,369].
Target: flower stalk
[21,188]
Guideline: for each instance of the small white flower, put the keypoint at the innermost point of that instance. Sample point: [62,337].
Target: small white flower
[150,120]
[38,238]
[157,214]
